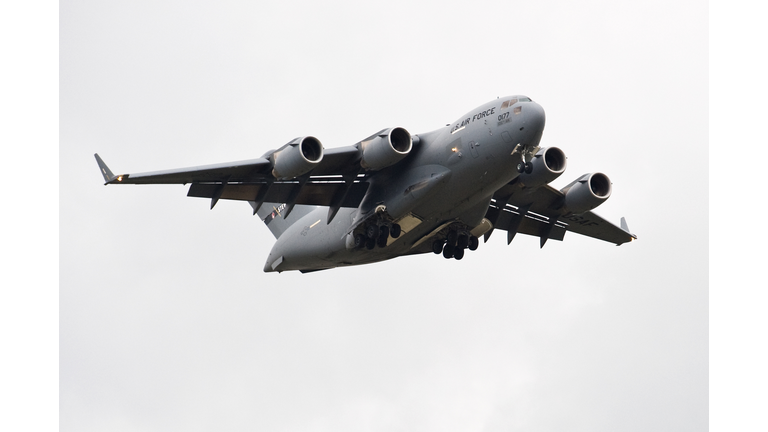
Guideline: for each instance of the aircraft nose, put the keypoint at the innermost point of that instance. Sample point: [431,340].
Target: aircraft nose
[535,117]
[534,120]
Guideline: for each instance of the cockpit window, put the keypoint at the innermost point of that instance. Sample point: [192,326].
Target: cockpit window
[508,103]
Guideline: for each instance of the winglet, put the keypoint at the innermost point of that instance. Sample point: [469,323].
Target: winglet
[625,227]
[105,171]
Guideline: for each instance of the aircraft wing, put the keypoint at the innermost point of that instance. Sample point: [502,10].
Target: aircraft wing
[540,212]
[334,161]
[335,181]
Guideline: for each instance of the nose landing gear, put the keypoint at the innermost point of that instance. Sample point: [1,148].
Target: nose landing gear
[525,167]
[527,152]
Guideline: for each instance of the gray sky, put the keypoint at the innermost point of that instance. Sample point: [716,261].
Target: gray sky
[168,323]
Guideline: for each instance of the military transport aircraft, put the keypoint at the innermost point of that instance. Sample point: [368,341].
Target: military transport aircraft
[395,194]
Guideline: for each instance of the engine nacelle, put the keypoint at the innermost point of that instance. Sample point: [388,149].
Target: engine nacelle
[586,193]
[386,148]
[548,164]
[296,158]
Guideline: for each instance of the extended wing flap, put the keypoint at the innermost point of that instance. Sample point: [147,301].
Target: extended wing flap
[333,182]
[541,229]
[514,221]
[320,194]
[544,204]
[542,200]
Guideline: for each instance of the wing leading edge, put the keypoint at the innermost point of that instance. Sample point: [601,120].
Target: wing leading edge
[335,162]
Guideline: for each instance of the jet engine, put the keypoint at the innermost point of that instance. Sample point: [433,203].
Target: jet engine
[296,158]
[547,165]
[587,192]
[386,148]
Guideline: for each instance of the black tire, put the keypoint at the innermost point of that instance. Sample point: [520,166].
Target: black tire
[458,254]
[521,167]
[359,241]
[451,238]
[383,231]
[437,246]
[448,251]
[474,242]
[462,241]
[528,167]
[382,241]
[372,231]
[395,231]
[370,244]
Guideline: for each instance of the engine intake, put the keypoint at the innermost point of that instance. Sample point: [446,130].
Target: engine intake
[586,193]
[385,149]
[296,158]
[548,164]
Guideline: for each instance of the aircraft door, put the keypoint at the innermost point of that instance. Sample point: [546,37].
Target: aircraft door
[473,149]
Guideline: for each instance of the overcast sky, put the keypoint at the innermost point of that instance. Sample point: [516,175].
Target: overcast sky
[168,323]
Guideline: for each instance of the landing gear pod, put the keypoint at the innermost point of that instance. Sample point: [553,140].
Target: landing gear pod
[296,158]
[386,148]
[586,193]
[546,166]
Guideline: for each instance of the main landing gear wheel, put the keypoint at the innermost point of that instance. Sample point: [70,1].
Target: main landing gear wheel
[473,243]
[379,235]
[451,237]
[360,240]
[455,244]
[395,231]
[372,231]
[437,246]
[458,253]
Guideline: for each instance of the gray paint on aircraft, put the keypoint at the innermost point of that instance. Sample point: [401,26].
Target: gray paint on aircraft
[341,209]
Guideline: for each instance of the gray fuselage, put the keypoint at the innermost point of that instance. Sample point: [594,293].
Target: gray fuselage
[449,177]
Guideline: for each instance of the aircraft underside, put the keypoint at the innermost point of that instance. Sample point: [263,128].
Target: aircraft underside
[395,194]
